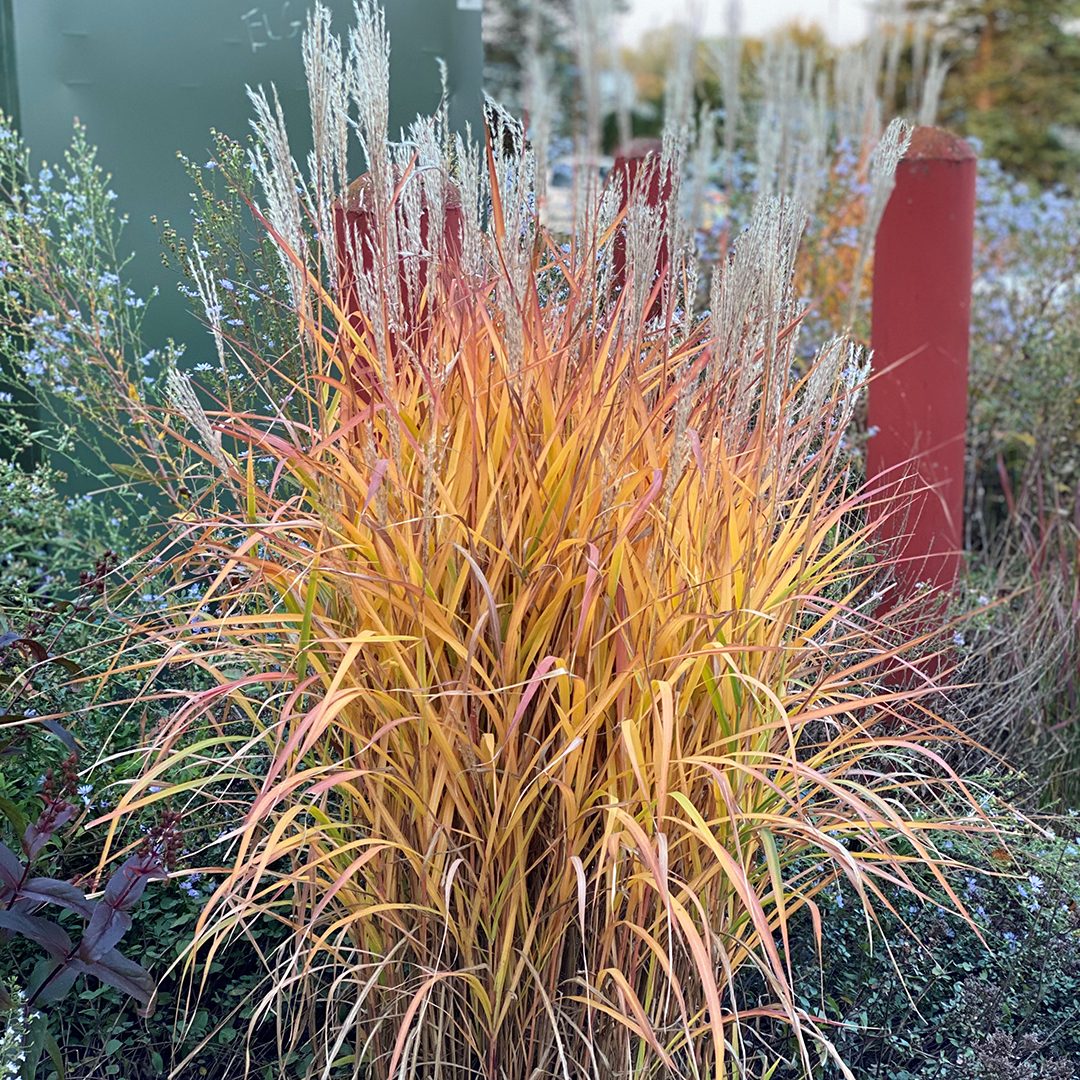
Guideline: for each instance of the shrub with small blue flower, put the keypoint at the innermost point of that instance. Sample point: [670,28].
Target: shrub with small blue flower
[50,631]
[927,996]
[1023,659]
[70,325]
[1025,347]
[72,343]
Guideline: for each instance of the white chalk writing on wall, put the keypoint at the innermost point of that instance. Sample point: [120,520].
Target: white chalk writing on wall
[265,27]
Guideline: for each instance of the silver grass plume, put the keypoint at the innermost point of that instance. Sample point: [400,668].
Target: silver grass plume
[607,213]
[429,142]
[679,86]
[752,299]
[515,174]
[678,231]
[784,224]
[857,105]
[684,331]
[822,378]
[920,36]
[699,166]
[206,287]
[428,138]
[728,56]
[624,101]
[378,291]
[369,84]
[420,208]
[474,185]
[809,153]
[793,125]
[837,377]
[883,164]
[421,205]
[442,115]
[368,74]
[875,48]
[408,210]
[894,27]
[777,75]
[328,162]
[277,174]
[592,25]
[676,138]
[594,34]
[182,397]
[933,85]
[538,97]
[645,229]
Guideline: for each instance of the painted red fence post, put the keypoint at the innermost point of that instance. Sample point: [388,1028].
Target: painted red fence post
[918,396]
[356,226]
[630,159]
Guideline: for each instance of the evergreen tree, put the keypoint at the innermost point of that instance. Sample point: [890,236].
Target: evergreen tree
[511,27]
[1015,80]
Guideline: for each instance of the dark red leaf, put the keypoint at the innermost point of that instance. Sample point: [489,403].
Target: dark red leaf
[62,733]
[106,927]
[26,645]
[43,890]
[128,883]
[125,975]
[40,832]
[48,935]
[56,985]
[11,868]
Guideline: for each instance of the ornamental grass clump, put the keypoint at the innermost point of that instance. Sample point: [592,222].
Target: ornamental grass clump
[547,696]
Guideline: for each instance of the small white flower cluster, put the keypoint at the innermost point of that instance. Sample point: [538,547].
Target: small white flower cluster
[16,1030]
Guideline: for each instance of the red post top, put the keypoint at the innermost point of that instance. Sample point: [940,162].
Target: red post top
[356,233]
[918,395]
[356,223]
[639,148]
[629,159]
[937,144]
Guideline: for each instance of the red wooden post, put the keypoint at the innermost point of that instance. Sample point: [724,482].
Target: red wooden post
[918,398]
[630,159]
[355,234]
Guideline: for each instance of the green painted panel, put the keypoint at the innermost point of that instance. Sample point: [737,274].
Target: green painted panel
[151,77]
[9,91]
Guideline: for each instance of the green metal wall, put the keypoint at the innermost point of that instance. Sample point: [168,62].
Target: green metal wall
[151,77]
